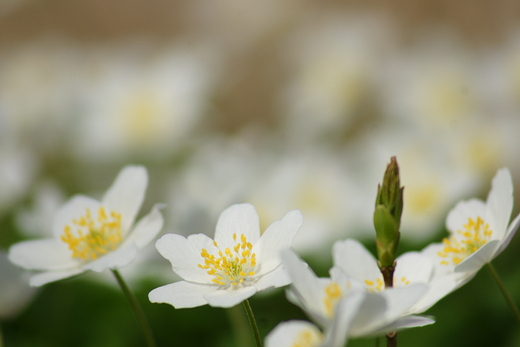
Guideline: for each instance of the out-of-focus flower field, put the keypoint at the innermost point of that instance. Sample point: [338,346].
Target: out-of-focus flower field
[279,103]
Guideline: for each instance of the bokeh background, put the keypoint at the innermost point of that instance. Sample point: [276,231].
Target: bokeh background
[281,103]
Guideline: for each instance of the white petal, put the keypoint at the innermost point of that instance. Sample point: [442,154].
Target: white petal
[500,203]
[464,210]
[476,260]
[52,276]
[147,228]
[439,287]
[114,260]
[181,294]
[345,313]
[230,297]
[353,258]
[399,300]
[184,255]
[237,219]
[307,287]
[403,323]
[42,255]
[513,227]
[371,314]
[75,208]
[277,278]
[286,334]
[413,267]
[127,194]
[277,237]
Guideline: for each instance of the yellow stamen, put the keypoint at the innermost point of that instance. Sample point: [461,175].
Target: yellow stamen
[93,237]
[463,243]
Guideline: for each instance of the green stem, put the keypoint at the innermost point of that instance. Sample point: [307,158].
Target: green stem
[136,308]
[238,322]
[504,291]
[252,322]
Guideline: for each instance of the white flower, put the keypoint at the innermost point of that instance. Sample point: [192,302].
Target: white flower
[224,272]
[379,312]
[479,230]
[412,267]
[93,235]
[305,334]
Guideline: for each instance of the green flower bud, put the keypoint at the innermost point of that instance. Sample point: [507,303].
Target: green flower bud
[387,215]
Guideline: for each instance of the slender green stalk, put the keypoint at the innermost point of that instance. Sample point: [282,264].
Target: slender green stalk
[143,322]
[237,317]
[504,291]
[252,322]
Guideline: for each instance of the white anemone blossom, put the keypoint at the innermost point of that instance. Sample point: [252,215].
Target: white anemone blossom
[479,231]
[93,235]
[233,267]
[378,313]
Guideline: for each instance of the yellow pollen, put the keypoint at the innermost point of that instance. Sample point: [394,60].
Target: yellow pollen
[89,238]
[463,243]
[233,266]
[332,295]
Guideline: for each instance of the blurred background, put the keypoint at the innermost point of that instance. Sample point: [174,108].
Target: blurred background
[281,103]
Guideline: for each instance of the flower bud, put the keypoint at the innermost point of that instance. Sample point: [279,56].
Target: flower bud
[387,215]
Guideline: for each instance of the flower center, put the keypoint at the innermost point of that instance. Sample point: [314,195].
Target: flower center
[463,243]
[333,294]
[308,338]
[231,267]
[90,237]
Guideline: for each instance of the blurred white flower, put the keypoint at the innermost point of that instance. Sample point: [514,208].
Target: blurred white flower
[433,85]
[233,267]
[92,235]
[39,91]
[144,105]
[319,183]
[335,63]
[220,173]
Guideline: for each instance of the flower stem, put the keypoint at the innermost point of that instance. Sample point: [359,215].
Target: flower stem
[252,322]
[143,322]
[504,291]
[237,318]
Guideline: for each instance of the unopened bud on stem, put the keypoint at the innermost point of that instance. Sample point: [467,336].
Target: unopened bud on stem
[387,215]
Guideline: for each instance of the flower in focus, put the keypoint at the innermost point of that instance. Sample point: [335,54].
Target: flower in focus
[380,312]
[479,231]
[93,235]
[233,267]
[411,267]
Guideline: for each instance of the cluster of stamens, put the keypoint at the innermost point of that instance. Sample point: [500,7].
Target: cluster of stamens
[93,237]
[465,242]
[231,266]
